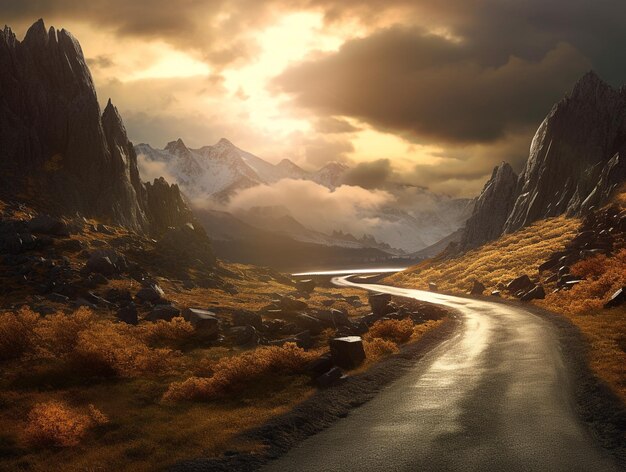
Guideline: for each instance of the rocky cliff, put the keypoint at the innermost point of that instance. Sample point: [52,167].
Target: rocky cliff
[57,150]
[492,208]
[577,159]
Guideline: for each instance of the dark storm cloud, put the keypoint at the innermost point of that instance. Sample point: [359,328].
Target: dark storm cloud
[369,175]
[432,89]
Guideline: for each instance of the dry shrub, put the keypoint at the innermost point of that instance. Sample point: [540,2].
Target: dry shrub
[109,350]
[58,334]
[592,267]
[17,335]
[398,331]
[420,329]
[604,275]
[176,331]
[55,423]
[377,348]
[232,374]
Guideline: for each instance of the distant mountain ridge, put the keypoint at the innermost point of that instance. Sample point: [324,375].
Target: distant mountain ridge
[577,159]
[57,150]
[219,170]
[216,173]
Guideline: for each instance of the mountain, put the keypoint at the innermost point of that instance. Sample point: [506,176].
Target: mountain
[492,208]
[331,175]
[219,170]
[57,150]
[213,174]
[577,159]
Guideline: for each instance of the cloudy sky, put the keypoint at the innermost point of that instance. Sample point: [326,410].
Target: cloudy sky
[430,92]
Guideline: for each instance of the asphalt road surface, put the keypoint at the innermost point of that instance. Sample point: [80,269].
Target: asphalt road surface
[494,397]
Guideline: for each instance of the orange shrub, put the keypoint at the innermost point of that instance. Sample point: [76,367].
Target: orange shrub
[398,331]
[377,348]
[17,333]
[57,424]
[592,267]
[109,350]
[231,374]
[58,334]
[176,331]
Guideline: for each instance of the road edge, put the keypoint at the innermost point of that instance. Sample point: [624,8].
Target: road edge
[325,406]
[600,410]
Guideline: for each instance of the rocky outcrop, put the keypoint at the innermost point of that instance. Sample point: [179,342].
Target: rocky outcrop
[56,149]
[577,159]
[492,208]
[571,152]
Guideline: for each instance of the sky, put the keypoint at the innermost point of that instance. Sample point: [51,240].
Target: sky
[425,92]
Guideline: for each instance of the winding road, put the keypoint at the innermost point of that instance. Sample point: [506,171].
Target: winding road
[494,397]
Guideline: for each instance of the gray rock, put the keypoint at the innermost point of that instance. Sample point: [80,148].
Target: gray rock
[244,336]
[203,321]
[379,303]
[128,314]
[289,303]
[306,286]
[152,293]
[617,299]
[243,318]
[522,282]
[347,352]
[46,224]
[163,312]
[536,292]
[477,288]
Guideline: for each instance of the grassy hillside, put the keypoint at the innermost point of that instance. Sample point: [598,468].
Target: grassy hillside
[498,262]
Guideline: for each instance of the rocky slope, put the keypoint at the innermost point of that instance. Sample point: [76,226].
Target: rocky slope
[576,161]
[57,151]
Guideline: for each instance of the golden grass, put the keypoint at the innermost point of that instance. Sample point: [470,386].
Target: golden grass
[520,253]
[497,262]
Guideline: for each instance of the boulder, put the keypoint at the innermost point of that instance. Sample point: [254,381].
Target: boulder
[243,318]
[306,286]
[309,323]
[477,288]
[618,298]
[106,262]
[522,282]
[244,336]
[379,303]
[46,224]
[152,293]
[495,293]
[537,292]
[115,295]
[163,312]
[347,352]
[432,287]
[128,314]
[202,320]
[320,365]
[101,265]
[289,303]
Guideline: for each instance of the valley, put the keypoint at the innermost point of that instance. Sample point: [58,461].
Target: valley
[351,301]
